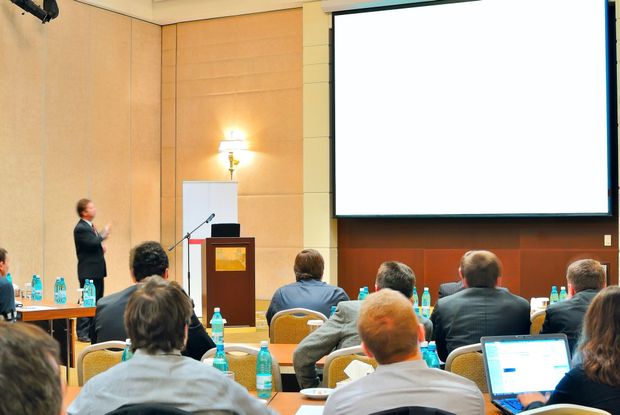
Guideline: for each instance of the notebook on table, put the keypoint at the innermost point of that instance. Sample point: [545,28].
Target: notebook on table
[520,364]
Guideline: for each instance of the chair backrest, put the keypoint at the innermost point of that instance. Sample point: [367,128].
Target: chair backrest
[148,409]
[467,361]
[566,409]
[537,319]
[414,410]
[242,361]
[291,326]
[337,361]
[98,358]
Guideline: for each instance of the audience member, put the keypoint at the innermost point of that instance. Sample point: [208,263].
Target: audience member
[29,372]
[146,259]
[157,318]
[596,381]
[308,291]
[7,295]
[390,333]
[341,329]
[482,309]
[450,288]
[584,280]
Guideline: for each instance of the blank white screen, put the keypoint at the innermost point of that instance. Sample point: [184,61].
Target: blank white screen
[492,107]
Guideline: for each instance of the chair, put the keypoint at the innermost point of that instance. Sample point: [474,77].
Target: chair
[565,409]
[242,361]
[148,409]
[413,410]
[291,326]
[98,358]
[467,361]
[337,361]
[537,319]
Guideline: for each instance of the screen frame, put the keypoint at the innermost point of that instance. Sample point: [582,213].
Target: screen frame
[612,121]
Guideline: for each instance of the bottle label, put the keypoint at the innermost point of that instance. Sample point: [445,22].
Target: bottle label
[218,338]
[263,382]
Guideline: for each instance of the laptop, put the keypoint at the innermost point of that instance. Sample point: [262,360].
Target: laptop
[519,364]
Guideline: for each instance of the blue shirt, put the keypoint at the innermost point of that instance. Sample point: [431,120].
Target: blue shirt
[312,294]
[7,297]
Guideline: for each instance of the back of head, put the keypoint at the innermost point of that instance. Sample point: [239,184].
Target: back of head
[481,269]
[309,265]
[3,253]
[586,274]
[388,326]
[156,316]
[601,333]
[146,259]
[396,276]
[29,373]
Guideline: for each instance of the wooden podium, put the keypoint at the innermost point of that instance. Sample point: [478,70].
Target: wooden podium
[229,268]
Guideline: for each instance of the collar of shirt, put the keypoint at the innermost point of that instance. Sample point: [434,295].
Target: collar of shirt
[412,364]
[140,352]
[89,222]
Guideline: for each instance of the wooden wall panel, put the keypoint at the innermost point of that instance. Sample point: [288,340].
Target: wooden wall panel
[534,252]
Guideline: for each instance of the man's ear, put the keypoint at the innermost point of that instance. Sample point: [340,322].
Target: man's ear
[165,276]
[133,276]
[421,333]
[367,352]
[570,290]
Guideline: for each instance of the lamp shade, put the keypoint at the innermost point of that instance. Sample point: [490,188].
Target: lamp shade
[233,145]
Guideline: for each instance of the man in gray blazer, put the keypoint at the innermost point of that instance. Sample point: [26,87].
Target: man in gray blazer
[482,309]
[340,330]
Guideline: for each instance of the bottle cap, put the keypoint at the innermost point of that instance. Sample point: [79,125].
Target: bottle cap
[425,288]
[424,344]
[562,287]
[264,343]
[362,289]
[216,310]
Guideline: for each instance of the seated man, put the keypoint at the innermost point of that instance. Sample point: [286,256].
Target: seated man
[7,295]
[584,279]
[341,329]
[390,333]
[450,288]
[483,309]
[29,372]
[156,318]
[146,259]
[308,291]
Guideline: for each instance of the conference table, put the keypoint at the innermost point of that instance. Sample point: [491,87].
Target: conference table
[285,403]
[48,311]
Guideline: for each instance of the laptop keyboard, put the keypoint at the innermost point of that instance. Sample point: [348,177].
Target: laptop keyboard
[512,404]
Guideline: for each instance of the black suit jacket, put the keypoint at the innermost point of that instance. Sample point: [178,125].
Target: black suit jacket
[109,324]
[567,317]
[450,288]
[91,262]
[463,318]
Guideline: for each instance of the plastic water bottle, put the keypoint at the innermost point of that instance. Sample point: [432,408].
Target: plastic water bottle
[219,361]
[63,291]
[416,298]
[432,360]
[127,353]
[28,290]
[37,288]
[217,327]
[362,295]
[426,303]
[563,294]
[553,297]
[424,350]
[57,291]
[366,291]
[89,294]
[8,278]
[263,372]
[93,294]
[332,310]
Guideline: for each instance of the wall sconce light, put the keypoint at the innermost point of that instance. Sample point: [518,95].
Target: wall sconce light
[232,146]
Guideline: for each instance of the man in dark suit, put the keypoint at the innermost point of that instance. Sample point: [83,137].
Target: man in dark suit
[450,288]
[480,310]
[146,260]
[90,253]
[585,278]
[7,295]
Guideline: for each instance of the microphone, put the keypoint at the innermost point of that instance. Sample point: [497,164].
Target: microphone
[210,218]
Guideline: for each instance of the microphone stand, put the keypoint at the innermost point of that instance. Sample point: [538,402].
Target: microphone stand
[188,236]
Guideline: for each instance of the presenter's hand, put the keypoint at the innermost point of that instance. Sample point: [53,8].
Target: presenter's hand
[528,398]
[105,248]
[106,231]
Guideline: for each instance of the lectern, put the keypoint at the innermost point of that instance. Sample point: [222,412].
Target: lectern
[228,267]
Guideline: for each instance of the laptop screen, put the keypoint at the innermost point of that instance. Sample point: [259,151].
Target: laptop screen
[527,364]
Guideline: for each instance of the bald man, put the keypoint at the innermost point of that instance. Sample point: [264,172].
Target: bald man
[390,331]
